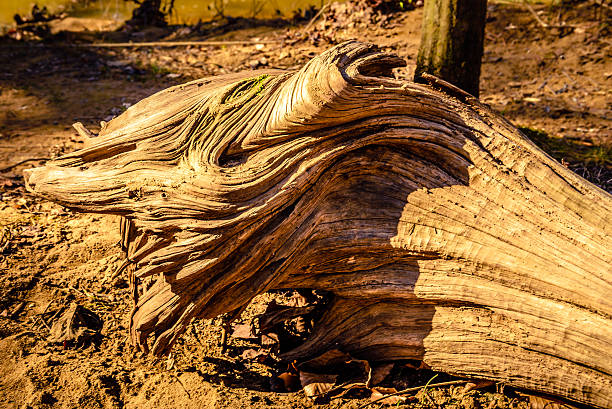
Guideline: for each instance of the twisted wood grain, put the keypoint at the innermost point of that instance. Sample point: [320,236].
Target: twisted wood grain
[443,233]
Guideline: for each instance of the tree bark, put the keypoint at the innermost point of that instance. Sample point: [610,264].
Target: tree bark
[441,231]
[452,41]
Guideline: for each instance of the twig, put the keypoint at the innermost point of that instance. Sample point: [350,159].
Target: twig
[147,44]
[59,310]
[596,85]
[23,334]
[14,165]
[121,268]
[44,311]
[81,130]
[175,43]
[601,4]
[182,385]
[41,315]
[447,87]
[84,294]
[316,16]
[196,333]
[542,23]
[415,389]
[38,318]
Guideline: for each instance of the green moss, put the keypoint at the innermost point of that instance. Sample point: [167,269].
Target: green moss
[570,150]
[250,87]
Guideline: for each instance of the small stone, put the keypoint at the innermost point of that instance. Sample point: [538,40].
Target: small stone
[254,64]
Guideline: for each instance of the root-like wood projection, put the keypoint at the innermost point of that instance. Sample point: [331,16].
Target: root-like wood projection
[444,234]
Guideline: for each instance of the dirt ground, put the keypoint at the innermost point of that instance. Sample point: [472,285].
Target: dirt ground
[554,81]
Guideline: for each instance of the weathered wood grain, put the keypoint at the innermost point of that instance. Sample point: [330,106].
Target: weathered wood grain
[444,234]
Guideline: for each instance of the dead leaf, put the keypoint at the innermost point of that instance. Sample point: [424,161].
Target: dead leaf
[538,402]
[291,381]
[76,325]
[276,314]
[329,359]
[298,300]
[8,183]
[380,393]
[316,385]
[352,389]
[269,340]
[361,375]
[421,365]
[361,370]
[276,385]
[243,331]
[378,373]
[252,354]
[477,384]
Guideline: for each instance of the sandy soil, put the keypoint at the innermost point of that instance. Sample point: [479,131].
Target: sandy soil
[555,80]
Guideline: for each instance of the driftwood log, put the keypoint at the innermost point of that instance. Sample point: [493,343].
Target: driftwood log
[443,233]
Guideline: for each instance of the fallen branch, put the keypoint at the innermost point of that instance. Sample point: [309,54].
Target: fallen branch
[145,44]
[176,44]
[440,232]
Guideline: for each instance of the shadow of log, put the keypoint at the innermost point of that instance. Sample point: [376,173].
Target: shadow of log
[443,233]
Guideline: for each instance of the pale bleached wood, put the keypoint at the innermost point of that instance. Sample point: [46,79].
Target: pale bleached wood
[444,234]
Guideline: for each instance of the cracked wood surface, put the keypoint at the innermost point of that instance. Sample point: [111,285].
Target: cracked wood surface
[443,233]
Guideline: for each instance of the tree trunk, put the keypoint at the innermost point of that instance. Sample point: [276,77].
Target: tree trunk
[452,42]
[150,13]
[443,233]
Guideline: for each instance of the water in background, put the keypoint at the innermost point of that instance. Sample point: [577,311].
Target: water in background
[186,11]
[107,9]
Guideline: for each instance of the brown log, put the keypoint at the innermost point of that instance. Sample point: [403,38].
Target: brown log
[444,234]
